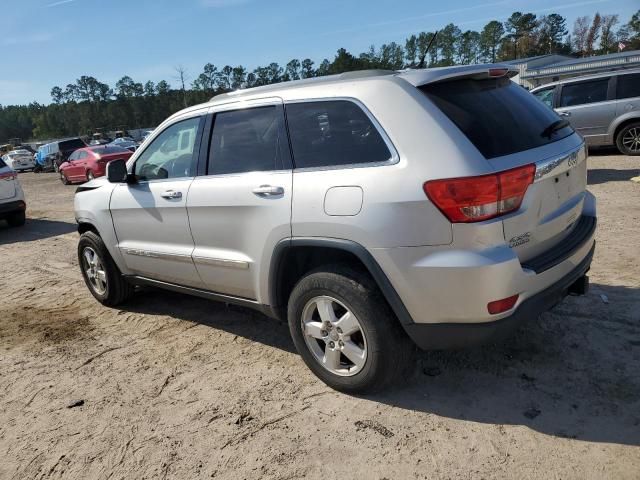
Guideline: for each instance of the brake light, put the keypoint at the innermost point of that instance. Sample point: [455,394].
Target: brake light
[8,176]
[498,72]
[503,305]
[474,199]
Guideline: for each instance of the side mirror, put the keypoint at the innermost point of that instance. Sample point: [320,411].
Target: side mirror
[117,171]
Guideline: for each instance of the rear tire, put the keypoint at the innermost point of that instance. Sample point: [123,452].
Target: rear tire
[369,353]
[17,219]
[100,273]
[628,139]
[90,175]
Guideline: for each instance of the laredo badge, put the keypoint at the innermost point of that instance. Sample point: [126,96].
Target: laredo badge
[520,239]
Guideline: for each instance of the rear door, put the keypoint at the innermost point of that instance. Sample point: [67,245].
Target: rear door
[628,94]
[150,216]
[241,208]
[590,107]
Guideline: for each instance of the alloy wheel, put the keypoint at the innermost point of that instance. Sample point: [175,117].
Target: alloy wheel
[94,270]
[334,336]
[631,139]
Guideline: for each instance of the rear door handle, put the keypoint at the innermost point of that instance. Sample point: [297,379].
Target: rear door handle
[171,194]
[268,191]
[564,114]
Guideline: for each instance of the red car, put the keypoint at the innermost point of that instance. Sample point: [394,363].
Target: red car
[88,163]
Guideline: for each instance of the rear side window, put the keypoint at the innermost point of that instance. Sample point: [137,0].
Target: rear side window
[116,149]
[246,141]
[628,86]
[498,116]
[584,92]
[2,164]
[333,133]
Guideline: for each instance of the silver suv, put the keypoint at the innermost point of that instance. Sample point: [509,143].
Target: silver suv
[603,108]
[442,206]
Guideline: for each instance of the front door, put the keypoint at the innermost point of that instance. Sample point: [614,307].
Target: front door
[241,209]
[589,108]
[150,216]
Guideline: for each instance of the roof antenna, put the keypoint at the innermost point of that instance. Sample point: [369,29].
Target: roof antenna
[431,43]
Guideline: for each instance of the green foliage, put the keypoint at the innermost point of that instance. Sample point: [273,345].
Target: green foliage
[87,104]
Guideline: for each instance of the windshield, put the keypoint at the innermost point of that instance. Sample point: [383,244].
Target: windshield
[498,116]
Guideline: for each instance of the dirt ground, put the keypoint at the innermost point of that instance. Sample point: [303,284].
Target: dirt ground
[172,386]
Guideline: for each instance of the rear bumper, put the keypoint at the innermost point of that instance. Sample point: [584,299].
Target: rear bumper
[444,336]
[12,207]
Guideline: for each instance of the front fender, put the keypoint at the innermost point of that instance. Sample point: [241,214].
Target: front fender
[91,206]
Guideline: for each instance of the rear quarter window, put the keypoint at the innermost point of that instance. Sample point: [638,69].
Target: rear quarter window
[498,116]
[333,133]
[628,86]
[2,164]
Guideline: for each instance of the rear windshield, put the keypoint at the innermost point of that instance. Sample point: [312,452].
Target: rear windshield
[498,116]
[110,150]
[72,144]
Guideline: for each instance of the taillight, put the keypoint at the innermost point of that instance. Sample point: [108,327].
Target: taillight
[8,176]
[474,199]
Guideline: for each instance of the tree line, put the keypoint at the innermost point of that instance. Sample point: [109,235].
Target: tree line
[88,104]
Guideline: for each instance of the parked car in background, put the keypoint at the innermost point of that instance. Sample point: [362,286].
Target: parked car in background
[90,162]
[44,159]
[145,135]
[12,204]
[603,108]
[126,142]
[63,149]
[19,160]
[445,206]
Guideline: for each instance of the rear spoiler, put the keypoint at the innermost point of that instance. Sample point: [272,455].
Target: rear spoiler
[421,77]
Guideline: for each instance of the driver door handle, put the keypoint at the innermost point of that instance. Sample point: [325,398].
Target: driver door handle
[171,194]
[268,191]
[565,114]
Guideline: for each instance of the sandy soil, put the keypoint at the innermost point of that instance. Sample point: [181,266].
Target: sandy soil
[171,386]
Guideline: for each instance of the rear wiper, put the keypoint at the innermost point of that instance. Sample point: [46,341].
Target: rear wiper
[554,127]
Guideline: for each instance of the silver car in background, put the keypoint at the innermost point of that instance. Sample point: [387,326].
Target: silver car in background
[369,209]
[20,160]
[603,108]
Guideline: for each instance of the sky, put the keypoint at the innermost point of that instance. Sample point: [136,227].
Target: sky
[44,43]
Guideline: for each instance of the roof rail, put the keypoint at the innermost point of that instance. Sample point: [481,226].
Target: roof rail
[293,83]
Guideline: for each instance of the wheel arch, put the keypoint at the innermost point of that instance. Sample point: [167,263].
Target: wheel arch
[293,258]
[626,120]
[84,227]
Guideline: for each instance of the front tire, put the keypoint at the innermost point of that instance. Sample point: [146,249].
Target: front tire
[345,331]
[17,219]
[628,139]
[64,179]
[100,273]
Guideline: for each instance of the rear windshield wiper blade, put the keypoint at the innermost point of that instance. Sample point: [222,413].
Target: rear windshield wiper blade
[554,127]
